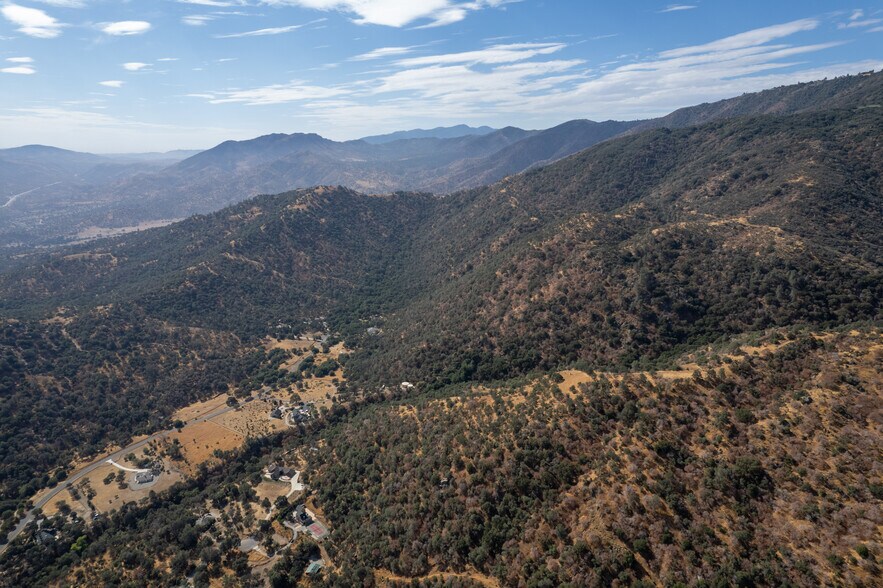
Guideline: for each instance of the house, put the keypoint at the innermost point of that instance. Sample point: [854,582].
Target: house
[301,516]
[205,521]
[276,414]
[44,536]
[277,472]
[144,477]
[315,567]
[374,331]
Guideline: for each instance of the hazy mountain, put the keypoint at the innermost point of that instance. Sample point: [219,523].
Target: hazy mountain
[436,133]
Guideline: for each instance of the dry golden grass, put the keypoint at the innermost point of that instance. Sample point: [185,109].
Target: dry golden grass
[201,440]
[252,420]
[197,409]
[272,490]
[109,497]
[387,578]
[288,344]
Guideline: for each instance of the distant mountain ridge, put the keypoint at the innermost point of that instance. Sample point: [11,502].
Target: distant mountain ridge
[436,133]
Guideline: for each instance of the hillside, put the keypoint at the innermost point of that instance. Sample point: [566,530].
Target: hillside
[647,243]
[750,466]
[844,92]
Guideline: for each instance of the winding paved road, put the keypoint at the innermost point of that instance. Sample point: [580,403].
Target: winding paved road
[102,461]
[15,197]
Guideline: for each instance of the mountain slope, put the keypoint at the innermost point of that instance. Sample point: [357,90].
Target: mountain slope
[650,242]
[843,92]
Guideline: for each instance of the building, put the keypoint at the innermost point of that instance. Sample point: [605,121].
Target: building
[315,567]
[144,477]
[277,472]
[301,516]
[205,521]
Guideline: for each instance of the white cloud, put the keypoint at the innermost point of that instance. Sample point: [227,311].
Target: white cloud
[126,28]
[112,84]
[268,31]
[747,39]
[64,3]
[678,7]
[489,55]
[397,13]
[135,66]
[294,91]
[216,3]
[31,21]
[197,20]
[20,60]
[24,70]
[382,53]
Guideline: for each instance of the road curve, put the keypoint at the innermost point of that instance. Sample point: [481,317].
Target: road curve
[102,461]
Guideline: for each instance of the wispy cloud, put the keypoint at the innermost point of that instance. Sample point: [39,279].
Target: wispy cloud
[217,3]
[858,20]
[677,8]
[394,13]
[295,91]
[382,53]
[126,28]
[112,84]
[269,31]
[197,20]
[24,70]
[135,66]
[23,66]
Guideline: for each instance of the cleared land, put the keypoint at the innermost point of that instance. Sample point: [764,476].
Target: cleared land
[252,420]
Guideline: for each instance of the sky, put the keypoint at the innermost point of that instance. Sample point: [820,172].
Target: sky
[111,76]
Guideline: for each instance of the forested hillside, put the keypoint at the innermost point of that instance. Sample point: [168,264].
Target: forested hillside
[627,251]
[754,466]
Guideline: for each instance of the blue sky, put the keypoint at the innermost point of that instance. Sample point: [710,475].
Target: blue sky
[144,75]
